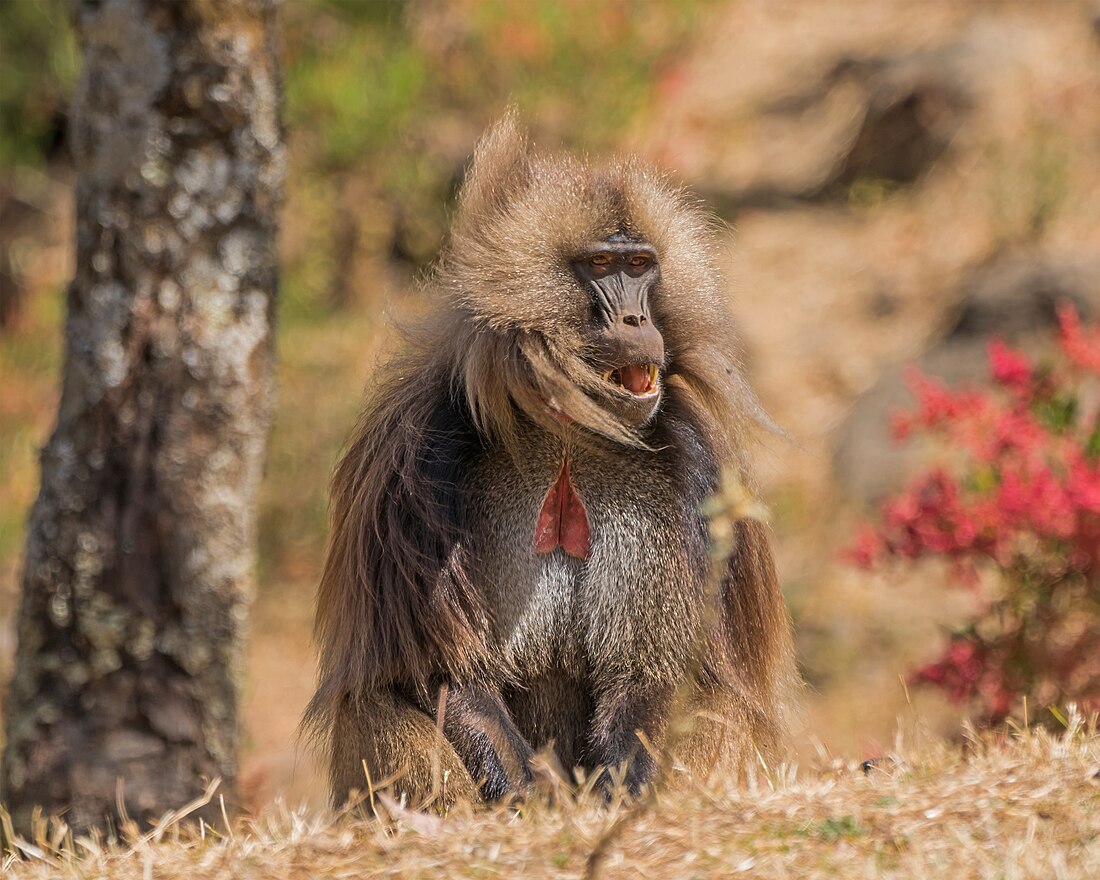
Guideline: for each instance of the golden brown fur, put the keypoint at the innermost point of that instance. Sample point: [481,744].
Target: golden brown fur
[400,611]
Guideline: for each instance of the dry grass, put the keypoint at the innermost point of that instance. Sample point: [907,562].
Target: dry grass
[1020,805]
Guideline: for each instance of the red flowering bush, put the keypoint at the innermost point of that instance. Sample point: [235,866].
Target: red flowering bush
[1022,503]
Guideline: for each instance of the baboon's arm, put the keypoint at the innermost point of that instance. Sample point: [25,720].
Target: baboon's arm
[620,714]
[480,728]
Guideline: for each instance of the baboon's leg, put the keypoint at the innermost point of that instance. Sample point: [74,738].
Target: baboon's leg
[714,730]
[395,742]
[480,728]
[728,732]
[710,737]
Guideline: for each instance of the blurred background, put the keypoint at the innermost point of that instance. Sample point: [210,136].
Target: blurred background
[900,182]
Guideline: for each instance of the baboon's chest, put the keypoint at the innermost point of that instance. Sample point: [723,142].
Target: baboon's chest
[572,551]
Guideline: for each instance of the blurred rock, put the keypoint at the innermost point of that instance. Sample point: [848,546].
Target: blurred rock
[1013,297]
[914,106]
[906,110]
[1017,295]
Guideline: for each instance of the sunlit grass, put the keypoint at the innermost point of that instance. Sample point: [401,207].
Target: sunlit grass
[1021,804]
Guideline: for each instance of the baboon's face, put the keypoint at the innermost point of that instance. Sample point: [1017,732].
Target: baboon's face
[623,344]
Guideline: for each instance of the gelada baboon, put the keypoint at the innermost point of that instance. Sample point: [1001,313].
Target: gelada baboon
[516,538]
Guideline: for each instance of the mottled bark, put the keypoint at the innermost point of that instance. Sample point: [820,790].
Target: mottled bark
[141,544]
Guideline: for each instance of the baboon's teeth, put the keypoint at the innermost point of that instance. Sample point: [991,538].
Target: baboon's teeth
[651,373]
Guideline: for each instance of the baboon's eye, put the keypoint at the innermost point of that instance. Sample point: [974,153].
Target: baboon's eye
[638,264]
[600,264]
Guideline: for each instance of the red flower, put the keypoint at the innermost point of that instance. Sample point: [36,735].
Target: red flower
[1081,345]
[1023,503]
[1010,368]
[1084,484]
[865,549]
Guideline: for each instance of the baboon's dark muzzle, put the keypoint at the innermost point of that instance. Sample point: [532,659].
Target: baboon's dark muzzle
[629,336]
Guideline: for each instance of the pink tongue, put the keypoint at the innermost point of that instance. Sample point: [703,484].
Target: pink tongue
[635,377]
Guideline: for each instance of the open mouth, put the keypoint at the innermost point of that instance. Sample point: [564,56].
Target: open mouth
[637,379]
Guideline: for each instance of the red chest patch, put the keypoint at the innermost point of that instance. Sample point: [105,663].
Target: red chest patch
[563,521]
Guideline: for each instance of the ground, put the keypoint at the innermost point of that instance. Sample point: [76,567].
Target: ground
[1021,806]
[830,291]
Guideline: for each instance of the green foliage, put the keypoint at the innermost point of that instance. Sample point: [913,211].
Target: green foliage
[353,80]
[839,829]
[38,59]
[595,62]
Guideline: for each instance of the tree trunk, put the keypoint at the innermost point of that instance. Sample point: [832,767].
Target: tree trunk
[141,544]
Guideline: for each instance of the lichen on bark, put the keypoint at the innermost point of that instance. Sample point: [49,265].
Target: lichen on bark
[140,546]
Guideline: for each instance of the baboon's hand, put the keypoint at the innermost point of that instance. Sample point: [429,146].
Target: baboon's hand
[621,715]
[479,727]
